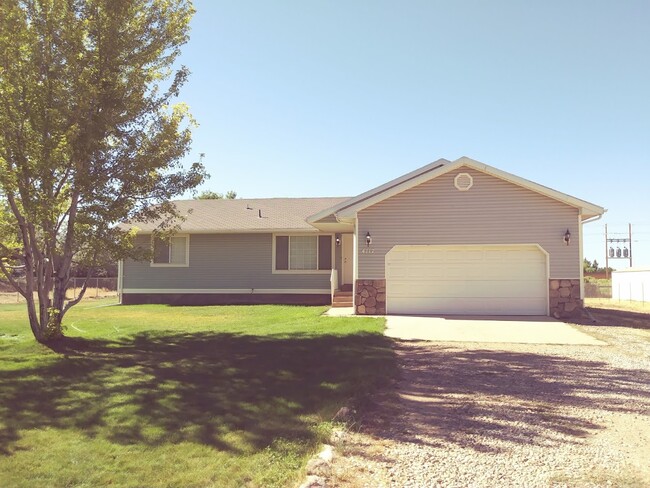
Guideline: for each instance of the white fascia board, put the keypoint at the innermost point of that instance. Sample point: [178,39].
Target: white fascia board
[587,209]
[396,186]
[337,209]
[324,213]
[339,228]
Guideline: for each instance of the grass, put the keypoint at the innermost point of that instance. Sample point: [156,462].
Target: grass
[161,396]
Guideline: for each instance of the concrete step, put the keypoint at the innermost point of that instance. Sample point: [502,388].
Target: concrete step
[342,304]
[342,300]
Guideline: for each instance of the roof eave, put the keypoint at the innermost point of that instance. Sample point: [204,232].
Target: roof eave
[585,207]
[337,209]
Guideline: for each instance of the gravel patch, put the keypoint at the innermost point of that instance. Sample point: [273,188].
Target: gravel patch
[486,415]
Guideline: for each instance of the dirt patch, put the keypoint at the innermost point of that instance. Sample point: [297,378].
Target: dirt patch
[611,304]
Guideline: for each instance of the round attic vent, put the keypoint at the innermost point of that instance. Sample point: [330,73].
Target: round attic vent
[463,181]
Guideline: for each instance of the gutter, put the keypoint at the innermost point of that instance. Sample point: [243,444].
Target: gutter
[593,219]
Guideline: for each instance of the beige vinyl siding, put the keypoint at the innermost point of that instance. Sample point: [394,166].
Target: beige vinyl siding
[493,211]
[221,261]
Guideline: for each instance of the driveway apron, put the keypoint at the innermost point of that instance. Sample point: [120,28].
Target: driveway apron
[518,330]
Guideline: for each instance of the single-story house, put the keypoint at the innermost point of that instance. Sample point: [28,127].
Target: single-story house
[631,284]
[455,237]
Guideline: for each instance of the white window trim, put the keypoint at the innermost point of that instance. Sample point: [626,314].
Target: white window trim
[170,265]
[302,271]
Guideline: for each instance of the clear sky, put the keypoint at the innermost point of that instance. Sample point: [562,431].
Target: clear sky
[332,98]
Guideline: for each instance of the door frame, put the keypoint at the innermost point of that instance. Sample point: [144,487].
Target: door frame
[347,251]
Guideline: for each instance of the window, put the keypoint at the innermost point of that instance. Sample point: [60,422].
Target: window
[171,252]
[303,253]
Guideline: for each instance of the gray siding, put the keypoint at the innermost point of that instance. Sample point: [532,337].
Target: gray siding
[493,211]
[221,261]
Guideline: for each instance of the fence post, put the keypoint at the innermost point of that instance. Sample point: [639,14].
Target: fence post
[630,292]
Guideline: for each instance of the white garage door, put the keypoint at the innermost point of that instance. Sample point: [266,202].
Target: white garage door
[473,280]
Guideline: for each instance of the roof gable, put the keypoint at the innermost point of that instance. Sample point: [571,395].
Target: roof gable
[348,209]
[378,190]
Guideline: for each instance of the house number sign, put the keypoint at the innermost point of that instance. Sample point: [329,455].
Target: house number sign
[367,251]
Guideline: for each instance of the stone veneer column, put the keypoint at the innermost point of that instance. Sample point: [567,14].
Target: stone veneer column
[564,298]
[370,297]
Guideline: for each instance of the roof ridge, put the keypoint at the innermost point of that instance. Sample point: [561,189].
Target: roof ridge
[258,198]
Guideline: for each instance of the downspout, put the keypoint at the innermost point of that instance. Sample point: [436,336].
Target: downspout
[120,279]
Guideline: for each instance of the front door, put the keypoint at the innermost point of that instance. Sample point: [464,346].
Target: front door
[347,256]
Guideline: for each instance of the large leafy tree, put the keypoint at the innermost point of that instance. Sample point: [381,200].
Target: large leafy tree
[89,137]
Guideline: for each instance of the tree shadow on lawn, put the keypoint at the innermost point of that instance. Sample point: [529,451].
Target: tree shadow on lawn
[491,400]
[232,392]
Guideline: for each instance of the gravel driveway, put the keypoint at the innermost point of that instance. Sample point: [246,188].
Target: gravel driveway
[488,415]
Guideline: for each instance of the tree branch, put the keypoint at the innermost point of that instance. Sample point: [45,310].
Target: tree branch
[73,302]
[11,280]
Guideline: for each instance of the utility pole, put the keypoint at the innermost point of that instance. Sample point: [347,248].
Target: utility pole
[606,255]
[630,234]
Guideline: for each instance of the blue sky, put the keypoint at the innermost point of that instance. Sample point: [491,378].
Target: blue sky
[332,98]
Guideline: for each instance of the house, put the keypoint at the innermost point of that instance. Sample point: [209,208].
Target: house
[455,237]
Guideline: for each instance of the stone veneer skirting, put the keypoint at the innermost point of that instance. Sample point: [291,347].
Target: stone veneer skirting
[564,298]
[370,297]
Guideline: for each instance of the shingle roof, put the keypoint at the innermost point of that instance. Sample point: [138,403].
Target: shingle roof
[243,215]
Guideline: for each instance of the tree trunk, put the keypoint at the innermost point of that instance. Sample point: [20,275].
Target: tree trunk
[44,318]
[45,325]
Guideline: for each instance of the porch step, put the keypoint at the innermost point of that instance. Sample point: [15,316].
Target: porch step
[345,288]
[342,299]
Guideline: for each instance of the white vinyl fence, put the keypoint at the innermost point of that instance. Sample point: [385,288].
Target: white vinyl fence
[631,284]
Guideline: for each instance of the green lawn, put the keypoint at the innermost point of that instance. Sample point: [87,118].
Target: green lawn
[155,396]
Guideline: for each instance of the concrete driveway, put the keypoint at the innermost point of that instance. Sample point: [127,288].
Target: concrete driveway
[522,330]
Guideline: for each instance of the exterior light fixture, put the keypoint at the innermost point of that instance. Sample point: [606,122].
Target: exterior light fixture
[368,239]
[338,240]
[567,237]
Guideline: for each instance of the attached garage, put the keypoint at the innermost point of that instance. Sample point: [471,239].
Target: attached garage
[467,280]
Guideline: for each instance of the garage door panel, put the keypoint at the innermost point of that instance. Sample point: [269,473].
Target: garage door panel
[407,289]
[467,280]
[473,306]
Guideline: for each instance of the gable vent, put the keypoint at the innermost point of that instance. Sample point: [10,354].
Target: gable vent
[463,181]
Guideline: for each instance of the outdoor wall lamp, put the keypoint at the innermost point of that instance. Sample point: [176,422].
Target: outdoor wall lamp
[338,240]
[567,237]
[368,239]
